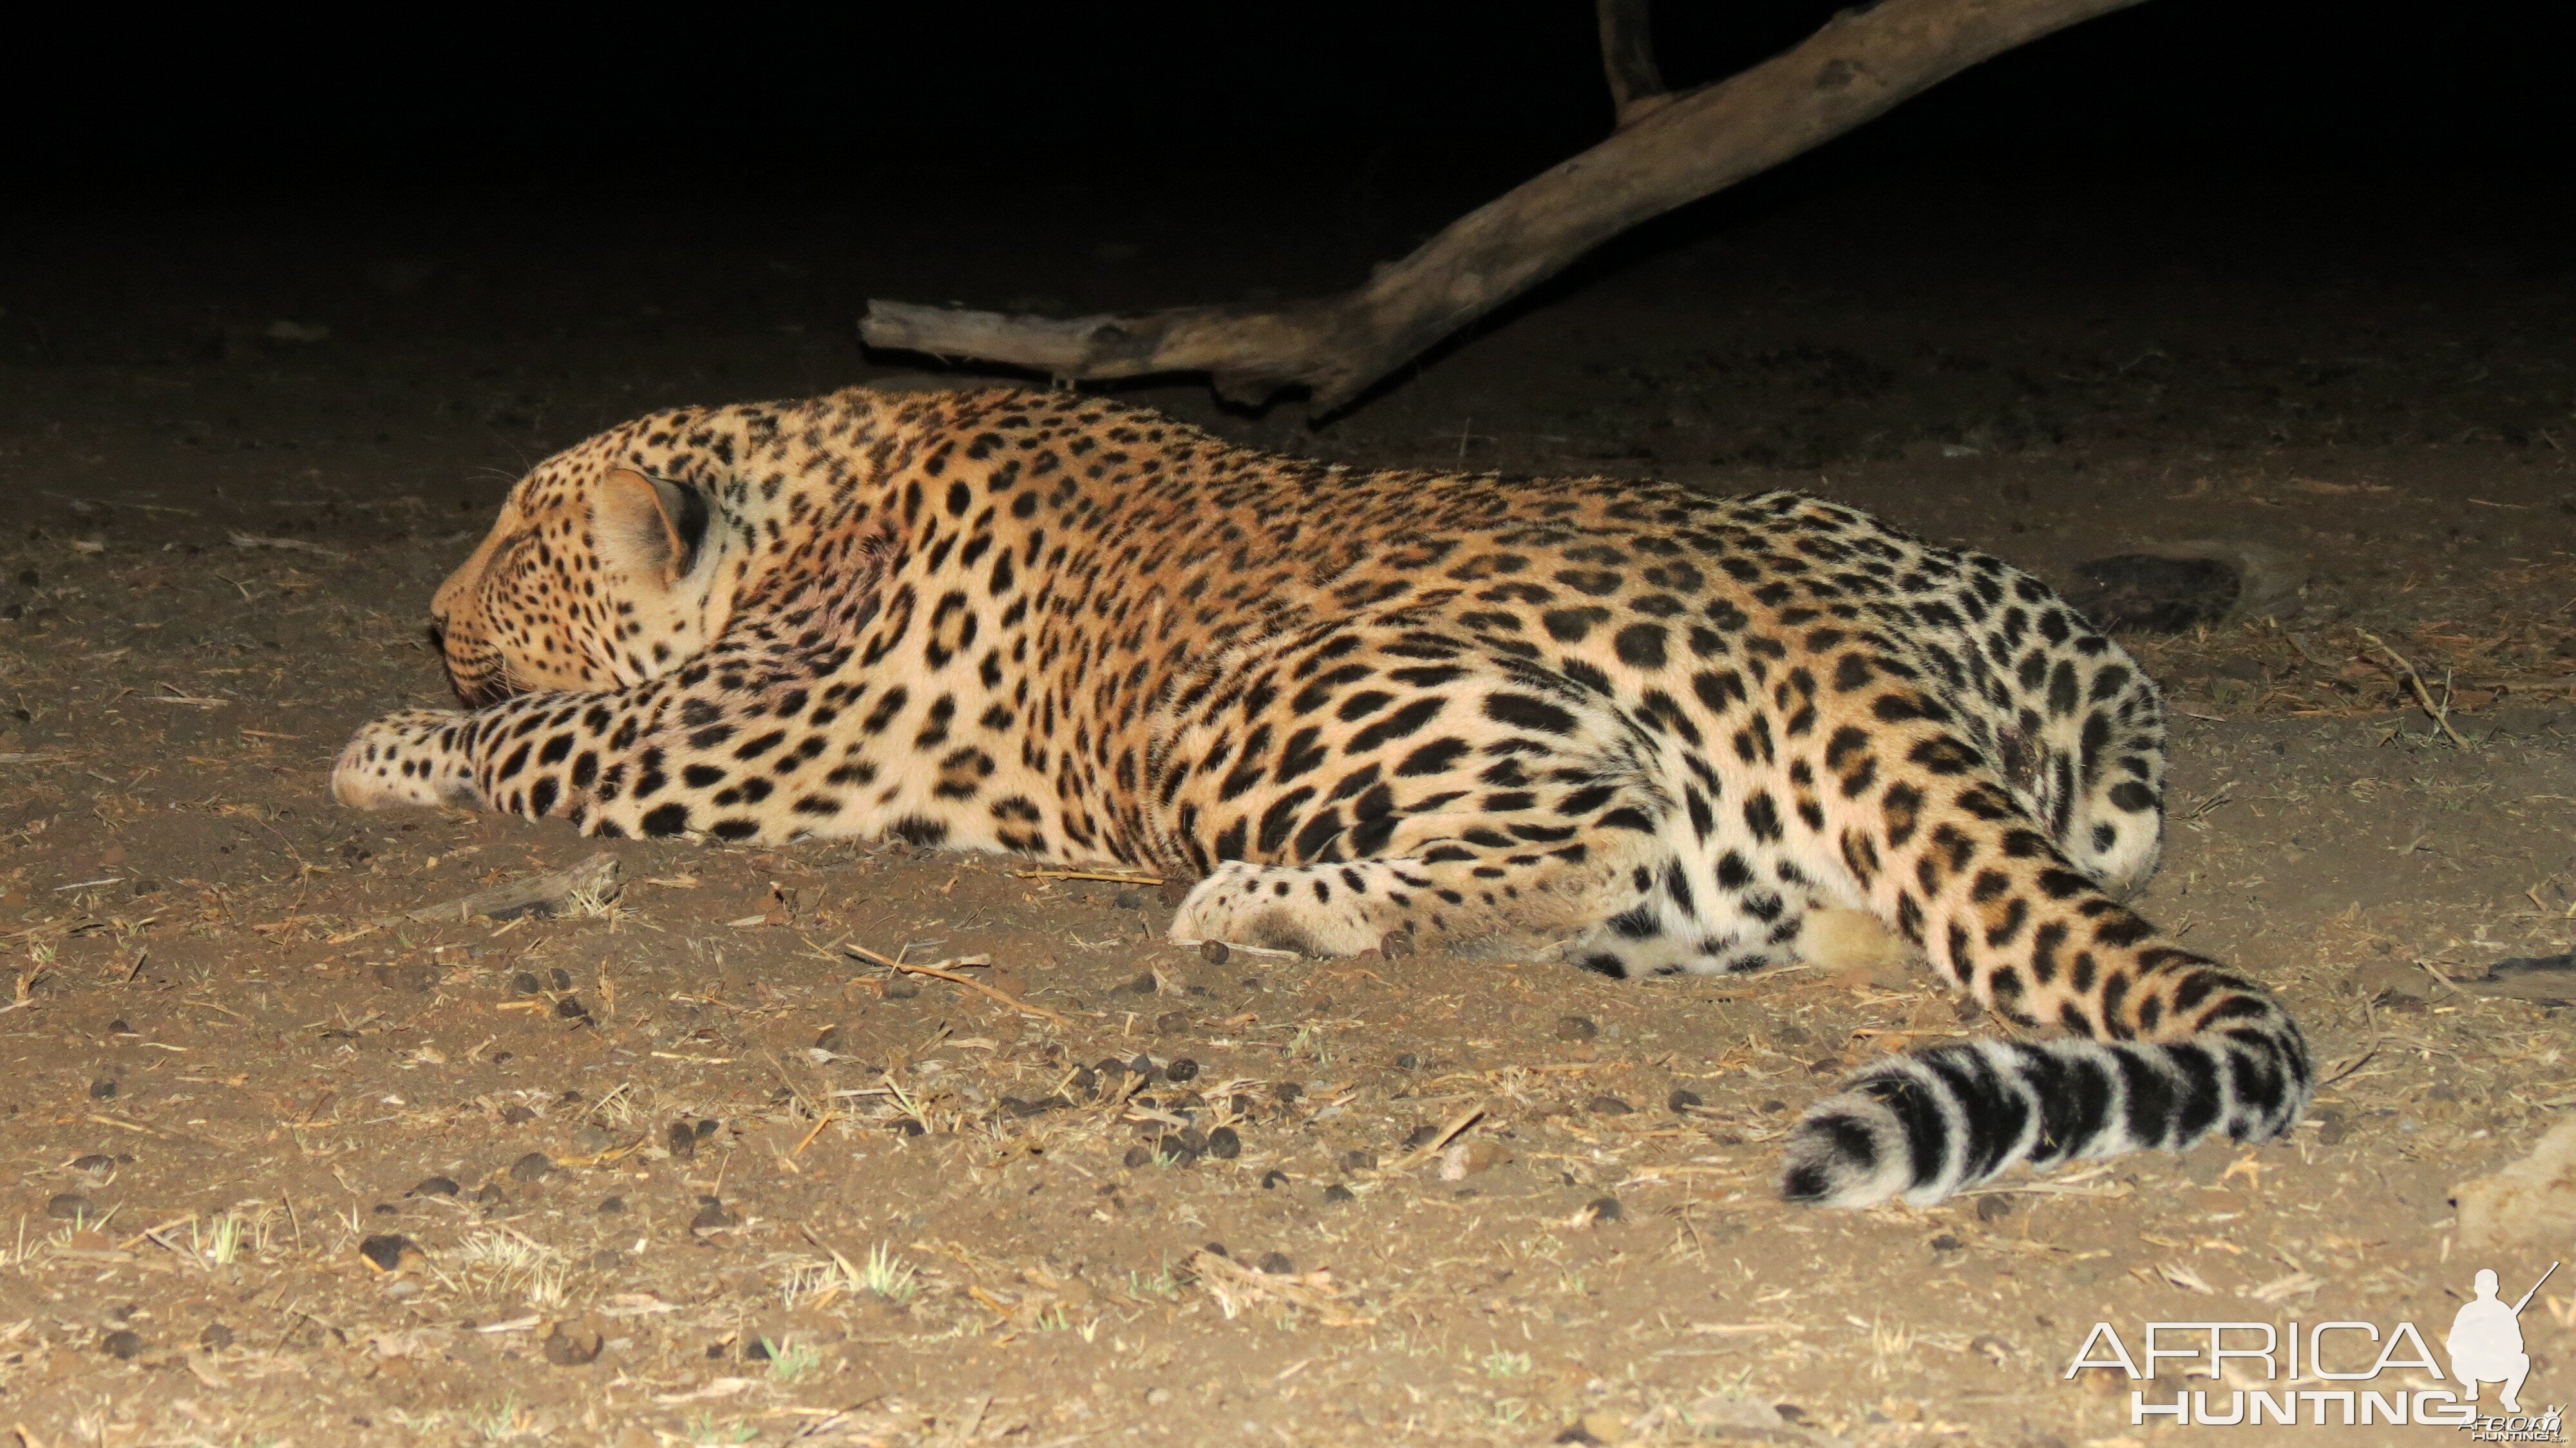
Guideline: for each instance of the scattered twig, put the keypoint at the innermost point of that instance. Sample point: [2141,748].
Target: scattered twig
[289,545]
[939,972]
[548,894]
[2364,1060]
[2441,712]
[1271,951]
[1425,1152]
[1114,879]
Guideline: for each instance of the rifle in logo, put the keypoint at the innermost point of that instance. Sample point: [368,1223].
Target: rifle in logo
[2486,1340]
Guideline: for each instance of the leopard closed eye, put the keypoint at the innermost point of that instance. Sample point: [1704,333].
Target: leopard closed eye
[1677,733]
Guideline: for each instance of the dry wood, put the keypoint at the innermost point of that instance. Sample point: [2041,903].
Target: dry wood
[977,986]
[1108,876]
[593,880]
[1861,64]
[1628,58]
[939,971]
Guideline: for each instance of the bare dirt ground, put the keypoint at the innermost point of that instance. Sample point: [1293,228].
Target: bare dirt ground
[681,1168]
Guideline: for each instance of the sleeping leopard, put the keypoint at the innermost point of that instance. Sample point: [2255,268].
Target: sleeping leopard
[1663,731]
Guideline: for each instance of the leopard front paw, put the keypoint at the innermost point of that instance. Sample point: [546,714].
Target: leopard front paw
[414,757]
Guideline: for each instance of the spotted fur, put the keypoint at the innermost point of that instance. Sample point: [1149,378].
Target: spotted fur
[1664,730]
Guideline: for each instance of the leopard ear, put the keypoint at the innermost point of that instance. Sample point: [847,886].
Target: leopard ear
[649,527]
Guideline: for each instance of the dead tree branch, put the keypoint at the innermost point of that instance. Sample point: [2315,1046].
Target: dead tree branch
[1858,66]
[1628,56]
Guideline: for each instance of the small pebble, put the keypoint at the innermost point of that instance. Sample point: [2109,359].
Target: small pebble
[705,1128]
[1338,1195]
[118,1027]
[1158,1397]
[1141,985]
[1407,1061]
[1128,900]
[1172,1023]
[1397,942]
[1182,1069]
[906,1126]
[387,1209]
[532,1167]
[489,1194]
[1608,1106]
[215,1338]
[121,1344]
[515,1114]
[1273,1179]
[436,1186]
[1143,1066]
[1213,952]
[902,988]
[386,1250]
[101,1089]
[1683,1100]
[572,1345]
[1420,1137]
[69,1206]
[1576,1028]
[1605,1209]
[1946,1243]
[562,978]
[1218,1248]
[711,1216]
[96,1164]
[1191,1139]
[593,1138]
[1464,1159]
[570,1008]
[681,1139]
[1276,1264]
[1224,1144]
[1994,1208]
[526,983]
[1138,1156]
[611,1206]
[1287,1091]
[829,1038]
[1357,1160]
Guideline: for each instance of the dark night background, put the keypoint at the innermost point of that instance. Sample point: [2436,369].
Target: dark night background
[663,210]
[1166,100]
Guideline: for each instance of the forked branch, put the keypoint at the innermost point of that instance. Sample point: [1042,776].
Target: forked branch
[1628,59]
[1862,63]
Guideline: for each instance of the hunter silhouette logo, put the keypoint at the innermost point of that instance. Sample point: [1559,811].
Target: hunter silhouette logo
[2486,1340]
[2339,1373]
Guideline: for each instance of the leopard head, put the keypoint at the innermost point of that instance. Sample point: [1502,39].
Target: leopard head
[593,578]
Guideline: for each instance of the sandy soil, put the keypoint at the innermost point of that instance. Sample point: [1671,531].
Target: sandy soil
[680,1167]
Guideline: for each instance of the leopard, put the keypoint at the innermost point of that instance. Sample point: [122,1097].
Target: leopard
[1658,730]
